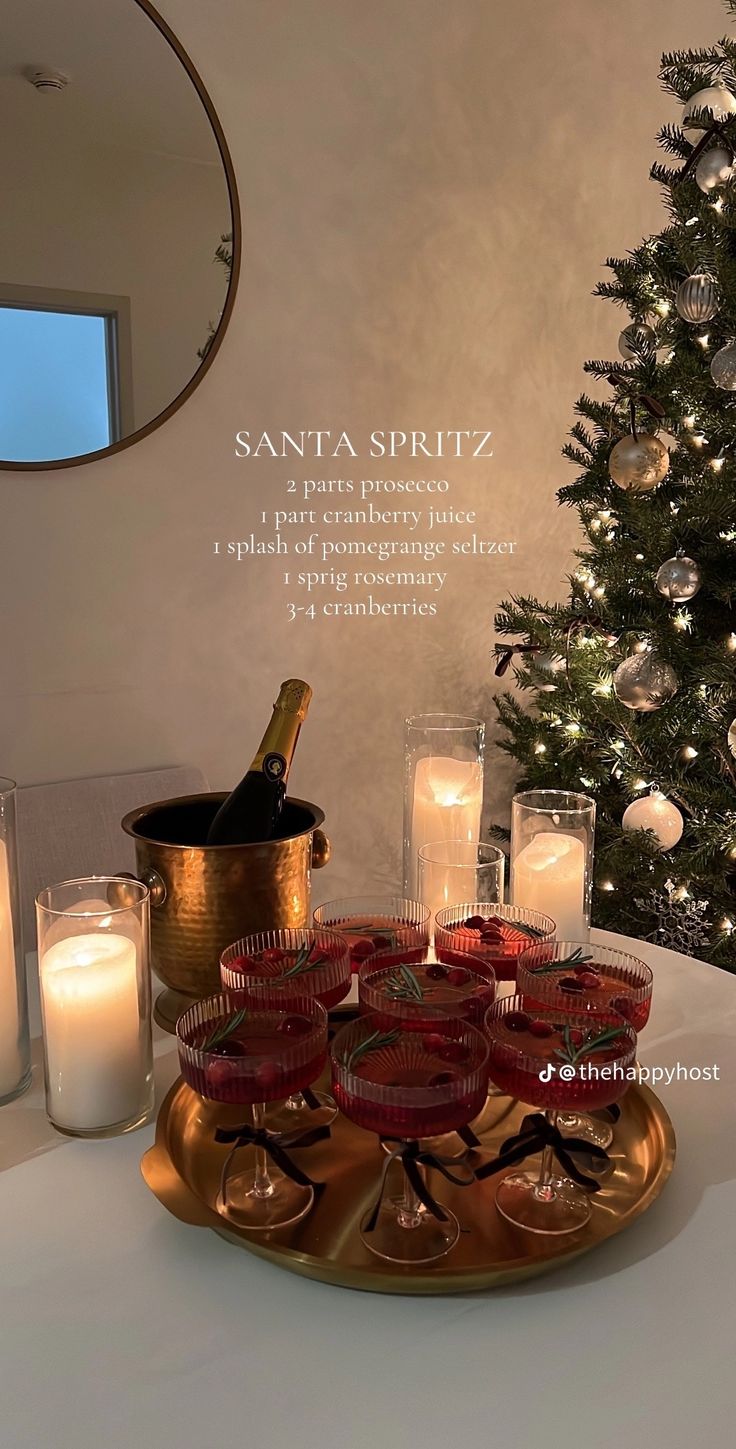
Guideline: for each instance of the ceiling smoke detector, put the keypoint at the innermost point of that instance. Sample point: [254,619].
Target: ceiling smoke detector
[44,79]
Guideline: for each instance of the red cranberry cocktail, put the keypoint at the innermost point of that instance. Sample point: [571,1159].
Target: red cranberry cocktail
[309,962]
[233,1052]
[276,966]
[408,1085]
[555,1059]
[497,934]
[426,994]
[377,923]
[575,974]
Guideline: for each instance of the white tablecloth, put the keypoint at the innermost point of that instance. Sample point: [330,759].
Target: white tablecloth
[123,1327]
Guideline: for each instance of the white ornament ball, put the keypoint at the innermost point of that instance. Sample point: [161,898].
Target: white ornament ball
[637,341]
[723,367]
[644,682]
[732,738]
[679,579]
[716,100]
[656,813]
[715,168]
[697,298]
[639,463]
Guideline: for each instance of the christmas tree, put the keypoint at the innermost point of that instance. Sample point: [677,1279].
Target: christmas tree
[634,678]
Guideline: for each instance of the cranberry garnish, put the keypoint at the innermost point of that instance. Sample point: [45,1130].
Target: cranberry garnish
[294,1026]
[475,923]
[229,1048]
[576,1036]
[590,980]
[453,1051]
[541,1028]
[517,1021]
[218,1075]
[268,1074]
[570,983]
[272,956]
[623,1005]
[363,947]
[238,962]
[583,968]
[441,1079]
[458,976]
[432,1041]
[435,971]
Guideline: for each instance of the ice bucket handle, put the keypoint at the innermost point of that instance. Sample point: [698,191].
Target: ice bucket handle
[321,849]
[118,896]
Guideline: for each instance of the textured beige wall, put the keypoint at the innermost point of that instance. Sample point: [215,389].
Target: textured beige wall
[428,191]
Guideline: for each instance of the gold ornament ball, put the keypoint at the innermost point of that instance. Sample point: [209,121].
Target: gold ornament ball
[637,341]
[639,463]
[644,682]
[656,813]
[716,100]
[715,168]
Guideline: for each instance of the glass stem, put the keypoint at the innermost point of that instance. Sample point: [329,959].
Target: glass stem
[262,1185]
[410,1208]
[544,1188]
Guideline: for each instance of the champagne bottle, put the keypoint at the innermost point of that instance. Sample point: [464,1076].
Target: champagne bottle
[253,809]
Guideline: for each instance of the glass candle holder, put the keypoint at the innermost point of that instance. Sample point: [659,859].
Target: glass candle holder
[451,871]
[552,839]
[15,1055]
[93,958]
[443,784]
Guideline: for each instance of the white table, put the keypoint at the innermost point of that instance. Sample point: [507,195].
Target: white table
[123,1327]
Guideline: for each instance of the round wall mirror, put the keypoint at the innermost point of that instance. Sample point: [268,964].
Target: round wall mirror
[120,246]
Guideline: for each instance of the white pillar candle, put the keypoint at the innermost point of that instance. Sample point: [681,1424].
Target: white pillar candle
[95,1049]
[11,1066]
[447,805]
[549,876]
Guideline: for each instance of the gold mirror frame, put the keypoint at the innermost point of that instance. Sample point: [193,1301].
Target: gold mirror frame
[45,465]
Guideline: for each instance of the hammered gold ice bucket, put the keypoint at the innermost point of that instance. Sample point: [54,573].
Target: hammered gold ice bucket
[204,897]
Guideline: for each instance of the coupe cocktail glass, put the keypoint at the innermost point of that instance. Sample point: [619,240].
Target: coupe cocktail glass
[575,974]
[425,994]
[408,1085]
[377,923]
[233,1052]
[557,1060]
[275,965]
[497,934]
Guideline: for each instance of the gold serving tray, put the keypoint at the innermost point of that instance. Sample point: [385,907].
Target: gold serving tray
[182,1169]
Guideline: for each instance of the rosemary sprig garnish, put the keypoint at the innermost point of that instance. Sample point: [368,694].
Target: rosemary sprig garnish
[223,1030]
[373,1043]
[577,958]
[589,1045]
[388,931]
[303,963]
[403,985]
[537,932]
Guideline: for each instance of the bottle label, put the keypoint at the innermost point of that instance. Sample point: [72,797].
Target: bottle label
[274,766]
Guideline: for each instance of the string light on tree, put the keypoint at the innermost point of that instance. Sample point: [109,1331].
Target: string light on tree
[656,813]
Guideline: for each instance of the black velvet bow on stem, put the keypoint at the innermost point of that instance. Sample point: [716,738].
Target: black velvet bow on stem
[537,1132]
[277,1145]
[413,1157]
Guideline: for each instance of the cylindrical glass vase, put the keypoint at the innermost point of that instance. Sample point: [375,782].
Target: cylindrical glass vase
[15,1054]
[94,973]
[552,840]
[443,784]
[451,871]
